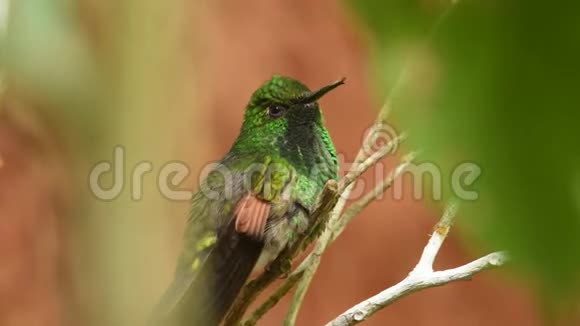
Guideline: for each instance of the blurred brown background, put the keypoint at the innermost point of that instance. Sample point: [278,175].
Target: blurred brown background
[239,45]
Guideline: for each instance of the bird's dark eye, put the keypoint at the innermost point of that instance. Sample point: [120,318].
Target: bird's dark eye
[276,111]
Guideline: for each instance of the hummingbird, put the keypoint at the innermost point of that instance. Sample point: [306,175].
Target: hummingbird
[253,203]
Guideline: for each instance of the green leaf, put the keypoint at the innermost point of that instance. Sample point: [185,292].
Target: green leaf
[496,83]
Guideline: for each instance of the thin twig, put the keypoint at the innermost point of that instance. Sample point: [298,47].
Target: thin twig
[440,231]
[273,299]
[357,207]
[301,289]
[370,161]
[310,265]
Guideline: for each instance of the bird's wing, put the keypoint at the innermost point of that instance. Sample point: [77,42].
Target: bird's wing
[217,259]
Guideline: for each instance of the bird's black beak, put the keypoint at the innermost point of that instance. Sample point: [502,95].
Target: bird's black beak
[311,97]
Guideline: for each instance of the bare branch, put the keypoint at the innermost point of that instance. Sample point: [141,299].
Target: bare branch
[273,299]
[367,308]
[440,231]
[422,276]
[357,207]
[301,289]
[370,161]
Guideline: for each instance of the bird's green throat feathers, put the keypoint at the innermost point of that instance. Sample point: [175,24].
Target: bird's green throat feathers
[283,120]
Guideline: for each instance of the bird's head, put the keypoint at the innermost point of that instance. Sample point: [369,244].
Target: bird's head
[283,117]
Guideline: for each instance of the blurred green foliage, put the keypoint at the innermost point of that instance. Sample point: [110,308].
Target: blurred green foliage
[44,52]
[496,83]
[105,74]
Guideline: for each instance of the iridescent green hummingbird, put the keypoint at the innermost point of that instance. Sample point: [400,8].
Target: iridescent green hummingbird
[253,203]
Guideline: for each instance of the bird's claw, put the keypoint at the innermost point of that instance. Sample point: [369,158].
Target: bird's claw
[285,268]
[281,267]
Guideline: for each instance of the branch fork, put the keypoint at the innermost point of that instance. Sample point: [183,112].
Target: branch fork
[422,276]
